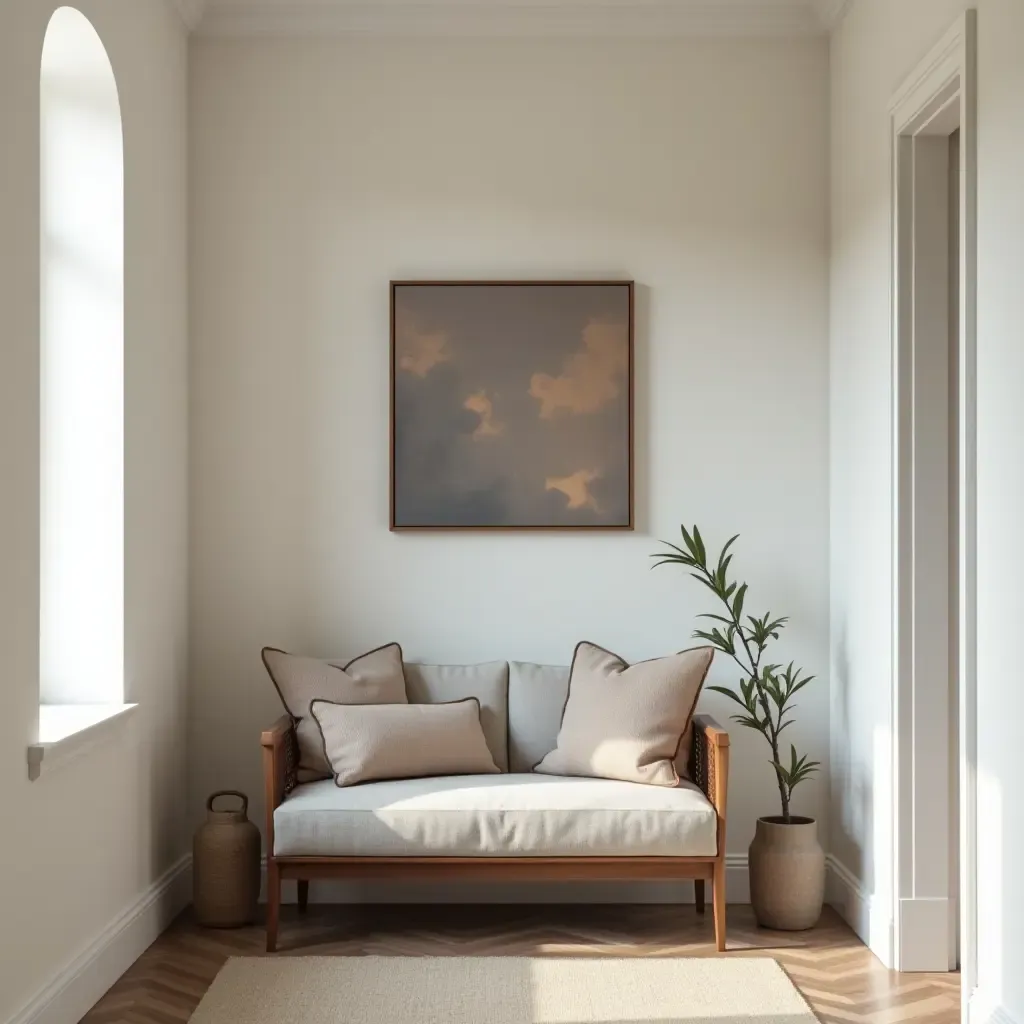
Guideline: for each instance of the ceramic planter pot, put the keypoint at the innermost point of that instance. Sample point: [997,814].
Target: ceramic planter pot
[787,874]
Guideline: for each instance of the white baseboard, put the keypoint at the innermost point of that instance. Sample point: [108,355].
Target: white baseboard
[737,888]
[737,878]
[862,910]
[79,984]
[983,1010]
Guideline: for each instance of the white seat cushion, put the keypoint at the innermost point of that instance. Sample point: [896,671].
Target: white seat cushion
[495,816]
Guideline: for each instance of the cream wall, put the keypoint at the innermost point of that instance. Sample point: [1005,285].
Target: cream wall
[81,846]
[878,45]
[320,170]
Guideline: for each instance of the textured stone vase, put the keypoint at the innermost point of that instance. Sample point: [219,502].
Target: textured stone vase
[787,874]
[226,865]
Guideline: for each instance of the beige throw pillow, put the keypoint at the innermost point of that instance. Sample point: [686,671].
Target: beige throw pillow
[377,677]
[394,741]
[626,721]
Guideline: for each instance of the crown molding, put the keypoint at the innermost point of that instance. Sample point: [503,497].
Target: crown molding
[830,13]
[498,18]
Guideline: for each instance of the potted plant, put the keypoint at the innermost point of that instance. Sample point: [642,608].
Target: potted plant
[786,862]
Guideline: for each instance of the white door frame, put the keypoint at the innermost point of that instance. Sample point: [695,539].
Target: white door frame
[937,98]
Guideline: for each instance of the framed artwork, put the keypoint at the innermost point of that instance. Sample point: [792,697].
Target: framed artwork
[512,405]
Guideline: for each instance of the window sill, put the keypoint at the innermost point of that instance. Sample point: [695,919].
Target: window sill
[67,731]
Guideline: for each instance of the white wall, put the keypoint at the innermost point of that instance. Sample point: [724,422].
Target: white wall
[1000,505]
[82,845]
[878,45]
[321,170]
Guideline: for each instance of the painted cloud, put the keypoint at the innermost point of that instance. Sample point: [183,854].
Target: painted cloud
[419,351]
[576,488]
[484,408]
[591,377]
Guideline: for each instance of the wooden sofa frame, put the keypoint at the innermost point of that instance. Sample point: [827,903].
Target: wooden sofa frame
[709,768]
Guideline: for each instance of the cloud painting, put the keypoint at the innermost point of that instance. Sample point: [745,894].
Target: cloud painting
[511,405]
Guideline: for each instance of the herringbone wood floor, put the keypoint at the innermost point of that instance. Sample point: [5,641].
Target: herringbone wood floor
[841,980]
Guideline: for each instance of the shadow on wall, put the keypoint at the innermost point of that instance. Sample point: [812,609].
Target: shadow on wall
[861,795]
[853,831]
[992,893]
[641,407]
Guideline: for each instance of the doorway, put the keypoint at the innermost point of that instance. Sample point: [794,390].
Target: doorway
[934,182]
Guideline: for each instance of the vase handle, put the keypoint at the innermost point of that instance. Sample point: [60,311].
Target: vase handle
[228,792]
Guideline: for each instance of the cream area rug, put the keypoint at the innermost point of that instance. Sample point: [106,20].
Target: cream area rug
[501,990]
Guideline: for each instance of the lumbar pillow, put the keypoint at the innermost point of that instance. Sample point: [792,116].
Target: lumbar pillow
[625,721]
[377,677]
[396,741]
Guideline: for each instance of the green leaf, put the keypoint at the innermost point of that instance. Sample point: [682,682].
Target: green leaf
[724,567]
[679,551]
[717,618]
[722,559]
[756,630]
[731,694]
[701,553]
[665,561]
[750,723]
[774,691]
[747,689]
[801,684]
[707,583]
[688,541]
[715,639]
[737,604]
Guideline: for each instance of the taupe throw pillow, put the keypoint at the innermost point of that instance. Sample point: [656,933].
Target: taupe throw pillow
[395,741]
[376,677]
[627,721]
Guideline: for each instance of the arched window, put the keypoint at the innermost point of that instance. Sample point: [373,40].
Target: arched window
[81,371]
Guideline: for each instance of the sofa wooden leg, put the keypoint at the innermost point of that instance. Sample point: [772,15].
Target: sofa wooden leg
[303,888]
[718,898]
[698,894]
[273,904]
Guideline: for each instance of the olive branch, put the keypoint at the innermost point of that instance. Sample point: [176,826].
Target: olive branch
[765,690]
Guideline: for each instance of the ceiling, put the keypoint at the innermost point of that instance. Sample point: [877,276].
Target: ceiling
[609,18]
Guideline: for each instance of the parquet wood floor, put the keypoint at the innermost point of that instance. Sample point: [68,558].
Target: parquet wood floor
[838,976]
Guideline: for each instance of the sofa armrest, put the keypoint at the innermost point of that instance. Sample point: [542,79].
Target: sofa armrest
[709,766]
[280,763]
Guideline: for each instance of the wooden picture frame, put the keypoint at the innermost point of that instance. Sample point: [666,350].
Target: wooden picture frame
[511,405]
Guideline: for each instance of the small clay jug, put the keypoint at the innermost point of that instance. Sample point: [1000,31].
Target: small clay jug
[226,865]
[787,873]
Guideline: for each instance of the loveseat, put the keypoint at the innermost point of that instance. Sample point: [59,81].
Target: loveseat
[513,826]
